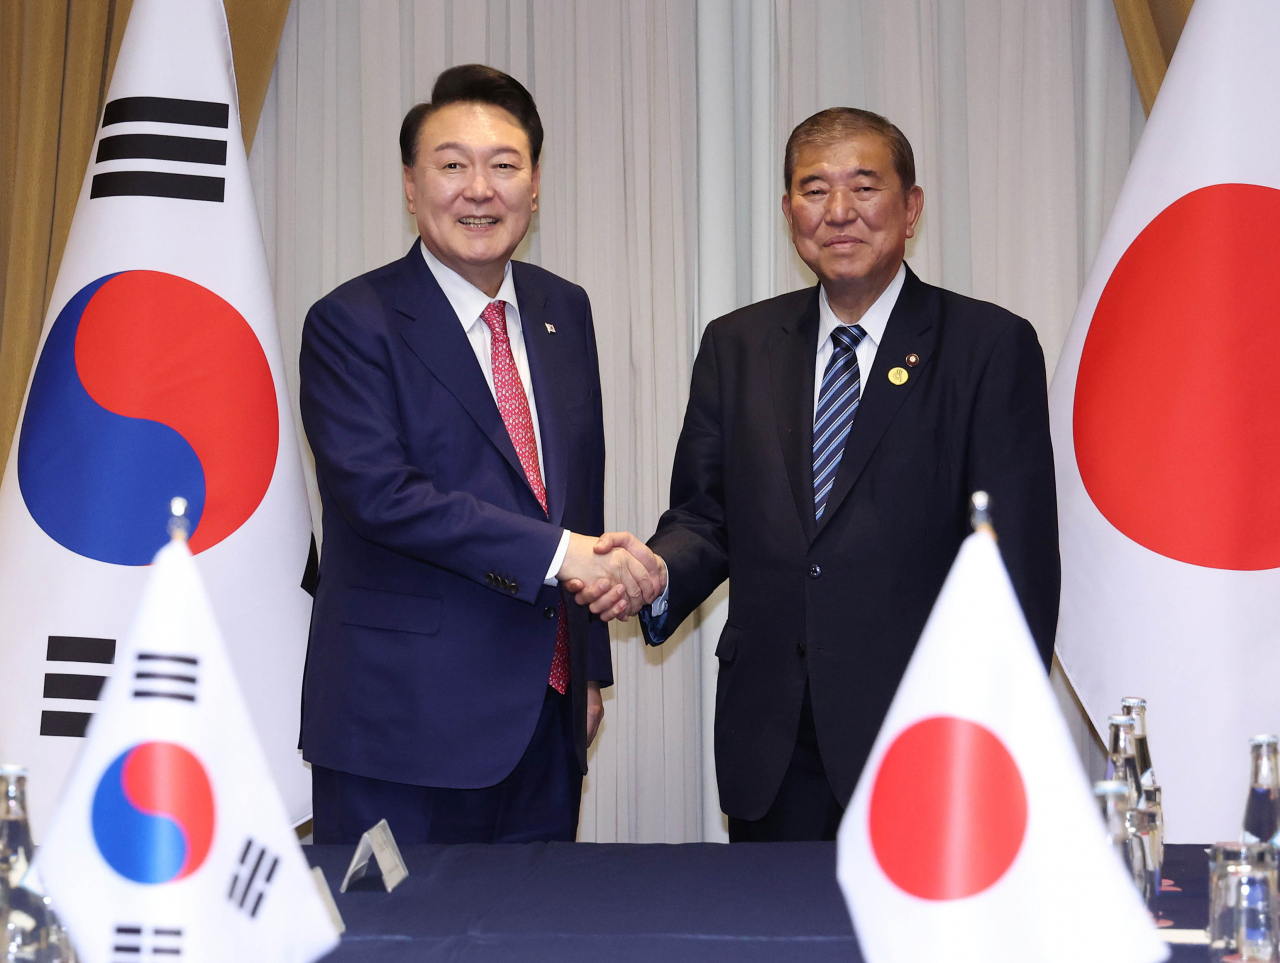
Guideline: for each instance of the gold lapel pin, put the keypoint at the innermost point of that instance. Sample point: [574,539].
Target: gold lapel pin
[898,376]
[913,359]
[551,328]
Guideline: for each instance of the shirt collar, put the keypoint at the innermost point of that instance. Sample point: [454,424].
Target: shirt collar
[873,322]
[467,300]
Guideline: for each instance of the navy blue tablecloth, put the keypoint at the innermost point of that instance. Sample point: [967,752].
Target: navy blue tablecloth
[701,902]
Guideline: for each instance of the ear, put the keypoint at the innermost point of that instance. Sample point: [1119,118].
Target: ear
[537,183]
[915,206]
[408,189]
[786,207]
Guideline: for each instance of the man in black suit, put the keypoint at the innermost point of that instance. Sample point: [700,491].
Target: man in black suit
[832,441]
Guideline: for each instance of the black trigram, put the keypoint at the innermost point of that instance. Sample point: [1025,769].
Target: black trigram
[73,685]
[162,147]
[161,675]
[133,942]
[249,882]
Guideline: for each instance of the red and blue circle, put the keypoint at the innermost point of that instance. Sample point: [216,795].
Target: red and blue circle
[153,813]
[149,386]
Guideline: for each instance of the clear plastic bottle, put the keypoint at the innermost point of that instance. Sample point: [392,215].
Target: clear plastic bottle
[1262,809]
[32,933]
[1151,794]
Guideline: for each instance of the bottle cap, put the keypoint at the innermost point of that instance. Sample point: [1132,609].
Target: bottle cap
[1133,702]
[1124,722]
[1263,740]
[9,769]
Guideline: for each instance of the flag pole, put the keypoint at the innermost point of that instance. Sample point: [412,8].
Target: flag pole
[979,513]
[179,526]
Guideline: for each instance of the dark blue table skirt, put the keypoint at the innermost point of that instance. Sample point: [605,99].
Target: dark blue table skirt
[701,902]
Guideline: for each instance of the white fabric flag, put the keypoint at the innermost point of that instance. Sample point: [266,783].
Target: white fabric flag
[973,834]
[159,375]
[171,839]
[1166,428]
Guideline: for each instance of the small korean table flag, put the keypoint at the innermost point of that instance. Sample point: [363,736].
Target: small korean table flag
[972,834]
[171,839]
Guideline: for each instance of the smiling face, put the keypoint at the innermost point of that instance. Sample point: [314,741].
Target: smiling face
[849,216]
[473,189]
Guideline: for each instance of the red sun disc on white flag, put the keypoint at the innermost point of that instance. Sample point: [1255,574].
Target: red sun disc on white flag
[1177,403]
[948,811]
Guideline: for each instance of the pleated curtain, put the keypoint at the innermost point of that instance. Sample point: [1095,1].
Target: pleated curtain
[661,192]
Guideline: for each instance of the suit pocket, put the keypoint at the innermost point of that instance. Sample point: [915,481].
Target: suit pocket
[392,611]
[727,648]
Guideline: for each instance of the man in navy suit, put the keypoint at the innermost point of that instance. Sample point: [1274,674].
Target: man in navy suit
[452,400]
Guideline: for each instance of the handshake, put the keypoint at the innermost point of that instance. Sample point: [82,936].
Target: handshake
[614,575]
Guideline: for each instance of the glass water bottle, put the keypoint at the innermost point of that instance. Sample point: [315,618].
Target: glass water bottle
[32,933]
[1262,810]
[1151,794]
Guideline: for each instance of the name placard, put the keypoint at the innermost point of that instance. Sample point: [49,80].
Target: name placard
[377,844]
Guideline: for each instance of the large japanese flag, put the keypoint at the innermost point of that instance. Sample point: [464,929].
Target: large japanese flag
[973,835]
[171,841]
[159,375]
[1166,427]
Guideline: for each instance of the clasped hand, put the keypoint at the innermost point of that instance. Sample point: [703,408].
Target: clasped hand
[615,575]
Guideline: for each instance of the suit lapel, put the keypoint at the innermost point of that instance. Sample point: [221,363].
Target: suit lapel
[435,336]
[912,328]
[544,372]
[792,356]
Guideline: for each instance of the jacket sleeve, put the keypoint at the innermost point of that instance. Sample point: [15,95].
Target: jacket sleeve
[1011,458]
[692,535]
[350,412]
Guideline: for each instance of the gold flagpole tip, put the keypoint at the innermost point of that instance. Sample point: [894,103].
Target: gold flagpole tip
[179,527]
[980,513]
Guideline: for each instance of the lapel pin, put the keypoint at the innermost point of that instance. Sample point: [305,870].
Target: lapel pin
[913,359]
[551,328]
[898,376]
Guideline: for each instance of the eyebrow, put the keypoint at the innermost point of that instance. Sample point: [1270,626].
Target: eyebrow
[454,145]
[860,172]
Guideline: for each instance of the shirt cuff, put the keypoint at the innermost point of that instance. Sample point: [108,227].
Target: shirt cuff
[658,607]
[558,559]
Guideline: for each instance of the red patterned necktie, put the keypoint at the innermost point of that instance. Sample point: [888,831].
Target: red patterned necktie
[514,408]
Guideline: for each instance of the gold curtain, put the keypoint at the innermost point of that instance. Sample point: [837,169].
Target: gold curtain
[56,58]
[1151,30]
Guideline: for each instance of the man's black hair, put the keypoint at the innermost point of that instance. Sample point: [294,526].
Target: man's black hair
[473,84]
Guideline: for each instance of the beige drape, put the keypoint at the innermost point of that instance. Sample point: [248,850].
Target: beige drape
[56,58]
[1151,30]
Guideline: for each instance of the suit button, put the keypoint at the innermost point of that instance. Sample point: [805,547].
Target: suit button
[513,587]
[549,612]
[815,571]
[489,578]
[800,649]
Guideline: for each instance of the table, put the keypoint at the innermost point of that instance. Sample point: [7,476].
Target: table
[704,902]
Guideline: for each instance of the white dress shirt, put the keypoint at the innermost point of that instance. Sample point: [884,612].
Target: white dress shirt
[468,303]
[873,322]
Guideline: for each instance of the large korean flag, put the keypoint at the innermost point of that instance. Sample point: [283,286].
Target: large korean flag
[1166,427]
[972,836]
[159,375]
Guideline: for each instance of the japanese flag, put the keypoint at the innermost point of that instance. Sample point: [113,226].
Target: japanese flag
[171,840]
[1165,410]
[973,834]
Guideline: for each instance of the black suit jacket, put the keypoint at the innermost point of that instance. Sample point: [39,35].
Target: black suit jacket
[841,603]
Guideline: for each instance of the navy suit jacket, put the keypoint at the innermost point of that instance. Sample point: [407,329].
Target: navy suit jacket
[432,632]
[838,605]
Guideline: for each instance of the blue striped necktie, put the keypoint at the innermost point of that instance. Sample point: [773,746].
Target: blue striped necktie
[837,404]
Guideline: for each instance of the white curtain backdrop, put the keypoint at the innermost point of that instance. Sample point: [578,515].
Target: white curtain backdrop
[661,195]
